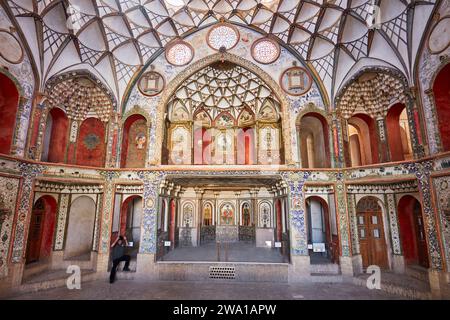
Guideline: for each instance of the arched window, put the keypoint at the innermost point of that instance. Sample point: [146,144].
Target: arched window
[9,101]
[91,144]
[55,138]
[363,143]
[134,142]
[398,133]
[313,140]
[441,90]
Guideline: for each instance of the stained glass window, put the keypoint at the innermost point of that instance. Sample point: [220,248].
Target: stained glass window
[223,36]
[179,53]
[265,51]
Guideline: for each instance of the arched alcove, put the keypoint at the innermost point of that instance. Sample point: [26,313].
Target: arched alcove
[9,102]
[80,229]
[398,133]
[56,136]
[313,141]
[134,142]
[91,144]
[363,143]
[441,90]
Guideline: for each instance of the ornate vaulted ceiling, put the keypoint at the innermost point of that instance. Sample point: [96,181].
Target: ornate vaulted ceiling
[115,38]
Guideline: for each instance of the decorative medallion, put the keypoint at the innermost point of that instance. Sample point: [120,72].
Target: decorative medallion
[223,36]
[150,203]
[265,50]
[439,39]
[151,83]
[91,141]
[179,53]
[296,81]
[10,48]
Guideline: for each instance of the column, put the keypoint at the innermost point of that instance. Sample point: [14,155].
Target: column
[107,214]
[436,274]
[22,220]
[299,268]
[146,258]
[415,126]
[348,265]
[61,223]
[199,196]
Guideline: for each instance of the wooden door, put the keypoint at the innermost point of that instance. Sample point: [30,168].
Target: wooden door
[420,236]
[35,234]
[371,233]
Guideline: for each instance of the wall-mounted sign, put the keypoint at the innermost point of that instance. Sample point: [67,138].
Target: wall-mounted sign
[296,81]
[319,247]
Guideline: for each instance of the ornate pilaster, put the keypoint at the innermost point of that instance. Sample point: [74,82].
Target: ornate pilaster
[351,207]
[383,150]
[29,172]
[111,146]
[339,131]
[393,223]
[61,221]
[415,128]
[295,182]
[342,216]
[152,182]
[107,211]
[422,171]
[98,213]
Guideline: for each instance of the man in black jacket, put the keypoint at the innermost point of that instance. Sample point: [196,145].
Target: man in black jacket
[118,255]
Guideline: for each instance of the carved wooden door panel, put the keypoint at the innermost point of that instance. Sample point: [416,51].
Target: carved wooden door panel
[371,233]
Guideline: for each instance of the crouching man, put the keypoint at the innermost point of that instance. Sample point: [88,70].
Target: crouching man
[118,255]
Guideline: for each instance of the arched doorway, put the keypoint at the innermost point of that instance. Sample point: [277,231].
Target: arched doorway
[80,230]
[372,240]
[55,139]
[313,140]
[42,228]
[134,142]
[9,101]
[130,223]
[398,133]
[319,231]
[412,233]
[441,90]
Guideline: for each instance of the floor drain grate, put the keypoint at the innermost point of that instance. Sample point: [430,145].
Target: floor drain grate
[222,273]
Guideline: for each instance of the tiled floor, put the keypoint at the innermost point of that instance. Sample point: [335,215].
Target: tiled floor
[129,289]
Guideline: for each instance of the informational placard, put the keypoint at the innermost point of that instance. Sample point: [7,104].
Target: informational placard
[277,244]
[167,243]
[319,247]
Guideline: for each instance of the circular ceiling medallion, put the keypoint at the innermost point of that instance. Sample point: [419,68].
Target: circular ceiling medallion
[296,81]
[265,50]
[151,83]
[179,53]
[10,48]
[223,36]
[439,39]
